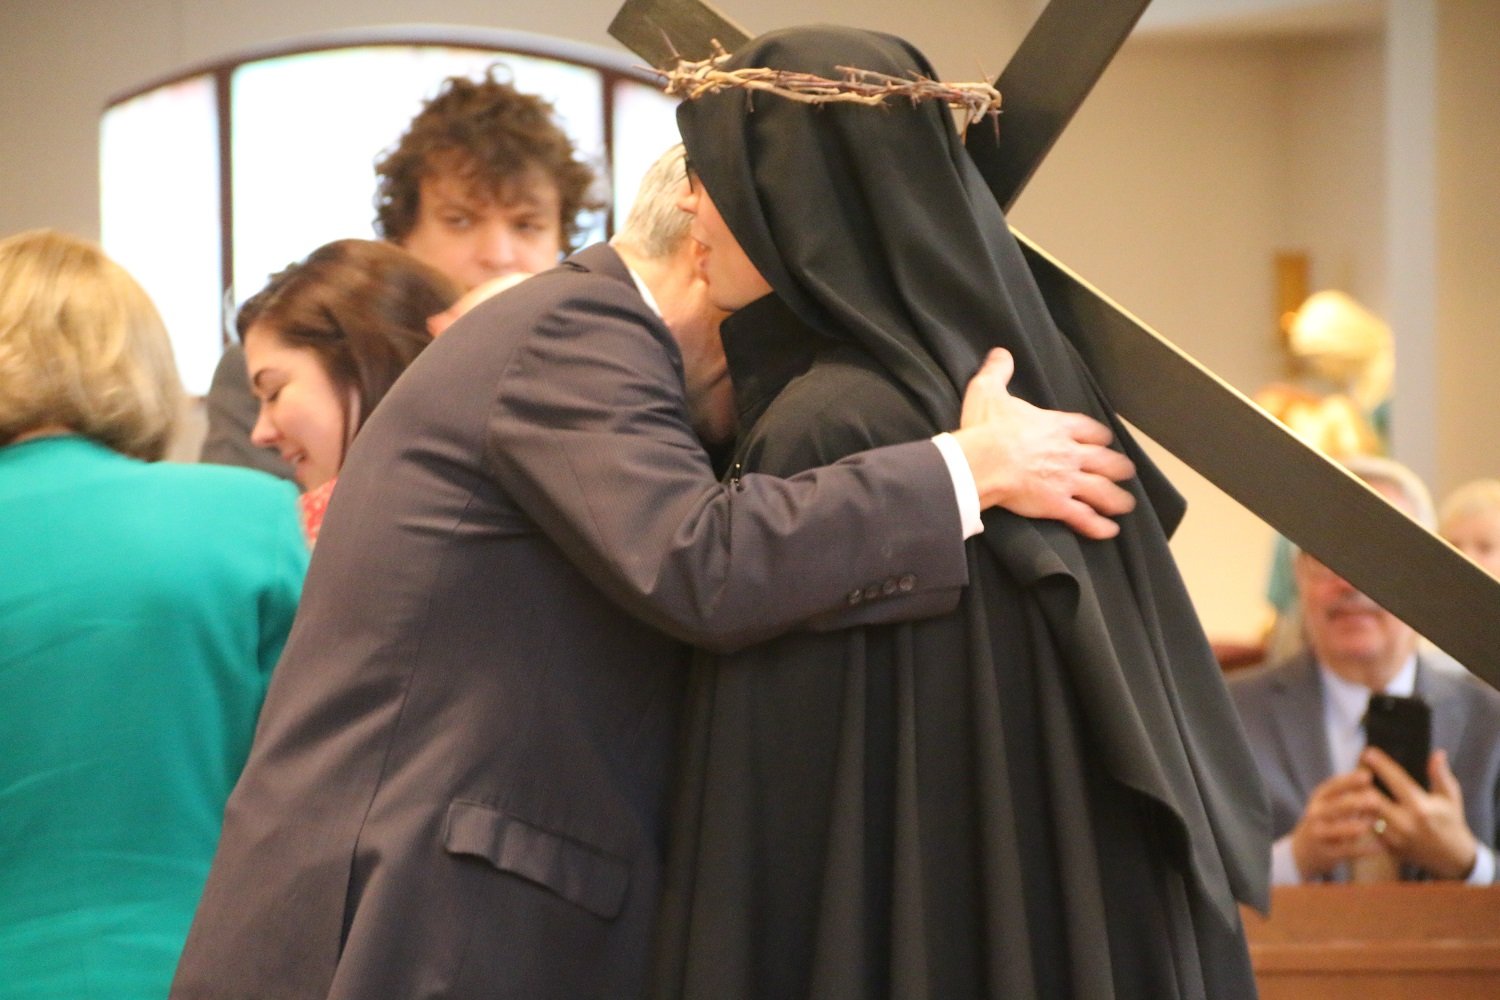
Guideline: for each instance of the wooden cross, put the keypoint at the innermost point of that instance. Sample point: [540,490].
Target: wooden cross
[1182,405]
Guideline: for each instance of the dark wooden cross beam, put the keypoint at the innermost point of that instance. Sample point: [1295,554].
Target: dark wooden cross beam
[1193,413]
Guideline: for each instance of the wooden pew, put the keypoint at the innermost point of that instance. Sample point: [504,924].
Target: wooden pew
[1403,941]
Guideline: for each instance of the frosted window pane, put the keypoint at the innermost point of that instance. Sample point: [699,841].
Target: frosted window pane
[159,212]
[645,126]
[307,130]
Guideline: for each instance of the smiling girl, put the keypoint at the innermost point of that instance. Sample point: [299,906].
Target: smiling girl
[324,340]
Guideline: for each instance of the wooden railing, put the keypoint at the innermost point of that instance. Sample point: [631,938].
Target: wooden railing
[1404,941]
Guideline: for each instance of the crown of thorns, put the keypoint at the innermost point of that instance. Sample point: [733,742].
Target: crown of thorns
[691,80]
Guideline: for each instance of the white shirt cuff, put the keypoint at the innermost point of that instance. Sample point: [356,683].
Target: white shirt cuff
[964,487]
[1284,864]
[1484,867]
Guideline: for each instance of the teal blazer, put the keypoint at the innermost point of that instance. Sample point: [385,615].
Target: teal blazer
[142,607]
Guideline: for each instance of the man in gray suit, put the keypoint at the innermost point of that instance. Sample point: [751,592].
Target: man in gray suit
[457,784]
[1305,717]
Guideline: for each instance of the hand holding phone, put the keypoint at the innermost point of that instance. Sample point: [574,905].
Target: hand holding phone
[1402,727]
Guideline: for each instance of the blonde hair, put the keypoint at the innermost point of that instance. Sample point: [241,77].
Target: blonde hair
[82,347]
[1476,497]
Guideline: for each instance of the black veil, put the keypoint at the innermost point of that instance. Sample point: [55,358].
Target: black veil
[874,228]
[906,277]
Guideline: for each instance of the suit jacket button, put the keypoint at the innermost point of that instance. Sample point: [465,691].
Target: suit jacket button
[872,591]
[889,587]
[855,596]
[907,583]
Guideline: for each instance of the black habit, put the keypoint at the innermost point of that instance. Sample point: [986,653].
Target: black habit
[1045,793]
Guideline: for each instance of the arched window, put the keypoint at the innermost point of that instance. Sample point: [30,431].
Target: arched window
[220,175]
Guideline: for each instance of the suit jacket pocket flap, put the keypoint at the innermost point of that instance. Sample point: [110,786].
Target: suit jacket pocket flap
[576,871]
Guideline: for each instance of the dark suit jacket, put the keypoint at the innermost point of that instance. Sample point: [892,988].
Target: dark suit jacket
[1282,709]
[457,784]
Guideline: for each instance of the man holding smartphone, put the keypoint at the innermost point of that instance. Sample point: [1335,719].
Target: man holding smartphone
[1342,809]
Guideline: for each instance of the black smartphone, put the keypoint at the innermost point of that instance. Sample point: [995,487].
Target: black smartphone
[1402,727]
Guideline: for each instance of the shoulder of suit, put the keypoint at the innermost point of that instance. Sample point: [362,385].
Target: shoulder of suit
[1446,677]
[1271,675]
[597,276]
[247,487]
[600,260]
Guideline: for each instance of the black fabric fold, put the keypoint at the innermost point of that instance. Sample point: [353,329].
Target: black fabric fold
[1046,793]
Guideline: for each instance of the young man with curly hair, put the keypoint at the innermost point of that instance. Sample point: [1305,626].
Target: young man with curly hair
[483,184]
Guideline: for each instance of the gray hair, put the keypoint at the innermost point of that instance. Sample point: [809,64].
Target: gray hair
[1388,472]
[655,226]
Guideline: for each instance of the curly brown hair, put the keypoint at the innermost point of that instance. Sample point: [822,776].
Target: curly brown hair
[496,133]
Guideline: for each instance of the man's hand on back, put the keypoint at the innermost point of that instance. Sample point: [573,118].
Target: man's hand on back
[1040,463]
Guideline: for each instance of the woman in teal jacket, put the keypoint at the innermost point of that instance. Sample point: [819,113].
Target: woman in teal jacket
[142,607]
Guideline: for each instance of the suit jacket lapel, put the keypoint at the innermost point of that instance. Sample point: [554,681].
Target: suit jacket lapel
[1448,715]
[1299,725]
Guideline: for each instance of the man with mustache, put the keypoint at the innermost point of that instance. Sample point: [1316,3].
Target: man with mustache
[1305,721]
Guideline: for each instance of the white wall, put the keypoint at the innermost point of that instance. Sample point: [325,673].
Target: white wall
[1194,162]
[1170,192]
[1332,120]
[1468,242]
[61,61]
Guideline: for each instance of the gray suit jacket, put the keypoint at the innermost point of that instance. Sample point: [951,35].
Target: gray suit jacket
[1282,709]
[458,780]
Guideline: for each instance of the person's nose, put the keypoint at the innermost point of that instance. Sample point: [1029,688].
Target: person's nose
[264,434]
[497,250]
[1341,588]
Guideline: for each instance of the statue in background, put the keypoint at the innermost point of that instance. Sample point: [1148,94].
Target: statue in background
[1343,360]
